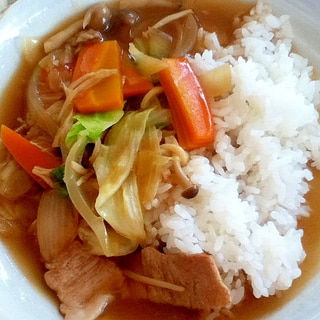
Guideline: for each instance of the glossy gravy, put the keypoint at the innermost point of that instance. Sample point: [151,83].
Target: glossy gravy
[215,16]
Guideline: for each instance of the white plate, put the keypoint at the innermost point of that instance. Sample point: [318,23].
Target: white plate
[34,18]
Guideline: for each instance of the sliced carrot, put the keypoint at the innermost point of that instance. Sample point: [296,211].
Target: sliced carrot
[27,154]
[191,115]
[107,95]
[135,83]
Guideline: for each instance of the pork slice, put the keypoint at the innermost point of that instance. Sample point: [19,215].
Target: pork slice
[86,36]
[84,283]
[196,273]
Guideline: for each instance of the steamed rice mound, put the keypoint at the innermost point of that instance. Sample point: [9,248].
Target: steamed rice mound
[254,179]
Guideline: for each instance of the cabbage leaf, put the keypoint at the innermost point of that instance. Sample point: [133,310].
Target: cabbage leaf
[110,243]
[148,165]
[92,125]
[118,199]
[115,221]
[123,211]
[116,158]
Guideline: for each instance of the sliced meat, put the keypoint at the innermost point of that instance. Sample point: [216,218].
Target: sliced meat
[196,273]
[84,283]
[86,36]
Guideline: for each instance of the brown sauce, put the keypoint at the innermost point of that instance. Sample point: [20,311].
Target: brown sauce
[215,16]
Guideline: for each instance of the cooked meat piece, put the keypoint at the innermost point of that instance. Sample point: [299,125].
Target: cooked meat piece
[84,282]
[196,273]
[87,36]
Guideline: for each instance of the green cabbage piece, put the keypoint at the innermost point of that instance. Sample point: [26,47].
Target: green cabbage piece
[92,125]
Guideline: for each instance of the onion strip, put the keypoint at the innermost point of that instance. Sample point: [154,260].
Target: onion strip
[83,83]
[77,197]
[57,224]
[186,36]
[152,94]
[172,17]
[110,243]
[153,282]
[36,106]
[58,39]
[66,113]
[44,174]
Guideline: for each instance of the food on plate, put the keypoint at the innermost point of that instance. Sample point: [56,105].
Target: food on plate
[165,161]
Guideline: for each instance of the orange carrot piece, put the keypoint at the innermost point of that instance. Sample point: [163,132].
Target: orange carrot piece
[107,95]
[135,83]
[191,115]
[26,154]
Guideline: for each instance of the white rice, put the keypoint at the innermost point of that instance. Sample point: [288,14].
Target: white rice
[253,185]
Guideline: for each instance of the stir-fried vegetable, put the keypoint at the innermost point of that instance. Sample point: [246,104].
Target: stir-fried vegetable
[191,115]
[116,159]
[57,227]
[135,83]
[148,166]
[117,222]
[57,175]
[110,243]
[89,128]
[155,43]
[111,187]
[92,125]
[123,211]
[146,64]
[36,106]
[216,82]
[27,154]
[107,95]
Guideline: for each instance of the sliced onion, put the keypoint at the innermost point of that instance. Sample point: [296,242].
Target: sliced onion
[36,108]
[186,36]
[58,39]
[57,224]
[172,17]
[14,180]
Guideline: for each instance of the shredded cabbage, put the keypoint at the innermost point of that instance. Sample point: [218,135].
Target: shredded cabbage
[123,211]
[110,243]
[116,158]
[118,199]
[149,163]
[116,220]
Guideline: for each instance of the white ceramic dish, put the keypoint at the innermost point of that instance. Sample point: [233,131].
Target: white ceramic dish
[34,18]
